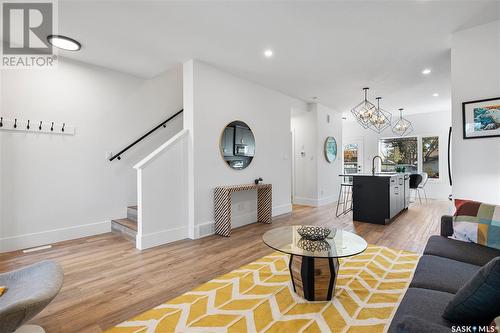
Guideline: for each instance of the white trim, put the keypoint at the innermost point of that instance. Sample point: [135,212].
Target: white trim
[161,237]
[209,225]
[53,236]
[146,160]
[327,200]
[282,209]
[305,201]
[315,202]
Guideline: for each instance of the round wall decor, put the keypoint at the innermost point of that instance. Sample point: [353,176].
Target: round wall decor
[330,149]
[237,145]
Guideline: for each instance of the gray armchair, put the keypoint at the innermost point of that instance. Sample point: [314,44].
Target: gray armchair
[29,291]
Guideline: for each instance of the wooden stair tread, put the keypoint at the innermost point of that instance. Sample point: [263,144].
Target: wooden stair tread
[132,207]
[127,223]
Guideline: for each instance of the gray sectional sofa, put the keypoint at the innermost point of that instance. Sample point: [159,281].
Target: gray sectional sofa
[445,266]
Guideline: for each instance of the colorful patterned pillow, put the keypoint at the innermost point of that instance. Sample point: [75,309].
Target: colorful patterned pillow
[477,222]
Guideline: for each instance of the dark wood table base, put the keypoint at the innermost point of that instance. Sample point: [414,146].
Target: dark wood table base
[314,278]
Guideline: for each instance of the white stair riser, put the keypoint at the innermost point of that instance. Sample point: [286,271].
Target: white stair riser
[124,231]
[132,214]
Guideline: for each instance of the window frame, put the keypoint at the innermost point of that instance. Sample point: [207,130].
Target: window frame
[419,153]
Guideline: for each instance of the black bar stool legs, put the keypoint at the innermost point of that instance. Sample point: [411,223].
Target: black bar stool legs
[344,204]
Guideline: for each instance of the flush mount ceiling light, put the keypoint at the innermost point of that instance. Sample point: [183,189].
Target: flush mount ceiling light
[435,95]
[426,71]
[64,43]
[268,53]
[403,126]
[364,111]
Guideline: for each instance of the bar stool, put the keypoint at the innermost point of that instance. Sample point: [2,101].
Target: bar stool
[345,198]
[415,181]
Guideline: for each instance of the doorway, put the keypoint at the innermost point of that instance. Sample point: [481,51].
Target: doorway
[352,156]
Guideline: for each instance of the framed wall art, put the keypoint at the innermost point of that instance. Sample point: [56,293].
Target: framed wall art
[481,118]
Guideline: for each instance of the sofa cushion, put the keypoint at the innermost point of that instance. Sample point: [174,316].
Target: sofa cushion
[478,301]
[430,270]
[412,324]
[462,251]
[426,304]
[477,222]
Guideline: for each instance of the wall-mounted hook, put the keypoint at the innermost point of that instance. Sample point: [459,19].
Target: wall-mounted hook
[28,126]
[40,126]
[62,129]
[15,122]
[52,127]
[1,121]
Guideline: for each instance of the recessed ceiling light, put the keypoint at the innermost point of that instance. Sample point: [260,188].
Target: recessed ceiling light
[435,95]
[64,43]
[268,53]
[426,71]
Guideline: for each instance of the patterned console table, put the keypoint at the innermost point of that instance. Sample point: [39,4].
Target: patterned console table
[222,205]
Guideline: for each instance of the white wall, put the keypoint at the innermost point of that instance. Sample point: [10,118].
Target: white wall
[213,99]
[305,177]
[475,74]
[60,187]
[316,181]
[162,194]
[424,124]
[328,173]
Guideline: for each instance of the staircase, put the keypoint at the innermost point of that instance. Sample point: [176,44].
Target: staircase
[127,227]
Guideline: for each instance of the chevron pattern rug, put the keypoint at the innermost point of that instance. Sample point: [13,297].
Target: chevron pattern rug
[258,297]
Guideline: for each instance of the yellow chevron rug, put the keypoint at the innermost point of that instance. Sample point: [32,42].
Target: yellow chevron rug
[258,297]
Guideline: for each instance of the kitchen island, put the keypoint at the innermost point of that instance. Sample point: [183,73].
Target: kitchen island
[378,198]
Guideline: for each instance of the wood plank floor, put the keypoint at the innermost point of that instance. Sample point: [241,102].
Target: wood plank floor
[108,281]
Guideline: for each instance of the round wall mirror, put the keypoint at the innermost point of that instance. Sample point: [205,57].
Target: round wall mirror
[237,145]
[330,149]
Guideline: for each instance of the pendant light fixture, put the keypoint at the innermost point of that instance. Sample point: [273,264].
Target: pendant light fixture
[380,119]
[403,126]
[364,111]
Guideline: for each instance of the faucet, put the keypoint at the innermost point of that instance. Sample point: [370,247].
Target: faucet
[373,163]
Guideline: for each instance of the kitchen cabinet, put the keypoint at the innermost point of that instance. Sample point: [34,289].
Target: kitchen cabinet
[379,198]
[228,141]
[244,136]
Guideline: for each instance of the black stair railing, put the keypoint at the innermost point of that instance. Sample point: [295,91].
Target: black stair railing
[162,124]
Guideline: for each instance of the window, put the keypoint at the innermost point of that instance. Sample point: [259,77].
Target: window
[399,153]
[351,158]
[430,156]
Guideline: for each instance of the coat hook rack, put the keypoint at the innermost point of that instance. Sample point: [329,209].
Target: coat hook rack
[49,127]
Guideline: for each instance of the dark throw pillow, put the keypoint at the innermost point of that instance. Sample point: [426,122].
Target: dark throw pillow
[478,301]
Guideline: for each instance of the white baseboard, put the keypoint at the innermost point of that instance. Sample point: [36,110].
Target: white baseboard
[327,200]
[314,202]
[305,201]
[208,228]
[205,229]
[282,209]
[147,241]
[53,236]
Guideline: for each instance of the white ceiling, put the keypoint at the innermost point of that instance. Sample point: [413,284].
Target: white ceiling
[325,49]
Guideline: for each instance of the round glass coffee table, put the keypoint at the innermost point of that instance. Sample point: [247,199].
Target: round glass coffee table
[314,264]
